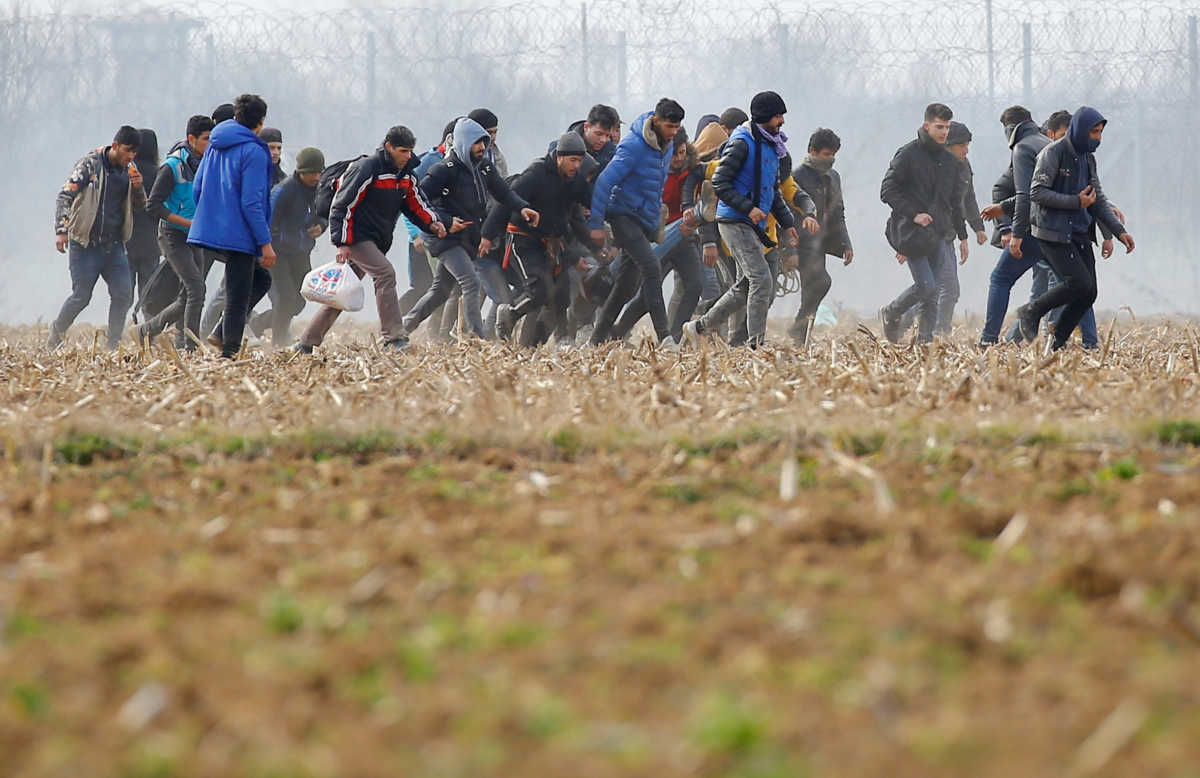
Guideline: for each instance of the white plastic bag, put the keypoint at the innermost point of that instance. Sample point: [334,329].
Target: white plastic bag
[334,285]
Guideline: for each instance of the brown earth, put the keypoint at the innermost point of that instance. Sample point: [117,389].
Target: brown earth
[855,560]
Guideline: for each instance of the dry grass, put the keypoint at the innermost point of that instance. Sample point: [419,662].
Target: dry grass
[850,560]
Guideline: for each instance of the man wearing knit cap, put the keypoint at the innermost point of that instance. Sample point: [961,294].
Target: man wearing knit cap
[552,186]
[925,190]
[222,113]
[274,140]
[490,122]
[747,183]
[295,228]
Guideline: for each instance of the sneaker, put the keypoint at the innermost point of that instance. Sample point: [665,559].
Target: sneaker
[214,341]
[302,348]
[668,344]
[708,202]
[505,321]
[663,213]
[799,331]
[692,331]
[891,325]
[1027,324]
[396,344]
[136,333]
[54,340]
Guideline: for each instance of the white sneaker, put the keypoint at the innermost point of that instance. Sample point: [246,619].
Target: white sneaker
[668,344]
[691,333]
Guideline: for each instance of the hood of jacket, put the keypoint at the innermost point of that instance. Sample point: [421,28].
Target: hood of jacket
[710,139]
[148,148]
[644,127]
[1081,125]
[229,134]
[467,132]
[1019,132]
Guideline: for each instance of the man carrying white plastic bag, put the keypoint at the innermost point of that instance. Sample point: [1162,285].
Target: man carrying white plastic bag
[371,195]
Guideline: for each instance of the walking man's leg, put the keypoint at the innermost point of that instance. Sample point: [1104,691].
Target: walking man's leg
[85,265]
[117,275]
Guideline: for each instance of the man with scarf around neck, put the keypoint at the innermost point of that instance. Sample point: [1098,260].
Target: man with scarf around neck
[458,188]
[1067,203]
[628,195]
[925,191]
[747,181]
[817,177]
[371,195]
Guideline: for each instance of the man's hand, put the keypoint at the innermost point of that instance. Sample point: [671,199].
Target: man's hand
[687,230]
[848,258]
[268,256]
[901,259]
[1127,241]
[1106,248]
[437,228]
[315,231]
[1014,247]
[531,216]
[343,254]
[811,225]
[1005,240]
[992,212]
[1087,197]
[419,242]
[485,247]
[1118,213]
[981,237]
[793,236]
[60,242]
[711,255]
[458,225]
[599,235]
[923,219]
[689,218]
[756,215]
[135,175]
[964,250]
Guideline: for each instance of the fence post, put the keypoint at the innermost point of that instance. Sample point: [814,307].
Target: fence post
[371,81]
[1027,57]
[991,60]
[1193,60]
[622,70]
[583,32]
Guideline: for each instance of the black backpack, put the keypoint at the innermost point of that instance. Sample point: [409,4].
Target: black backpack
[327,186]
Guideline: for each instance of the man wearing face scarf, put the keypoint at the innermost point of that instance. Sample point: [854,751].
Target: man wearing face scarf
[817,177]
[1067,204]
[458,188]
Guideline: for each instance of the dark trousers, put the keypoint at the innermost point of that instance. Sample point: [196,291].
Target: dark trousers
[814,285]
[640,268]
[1075,265]
[287,276]
[684,259]
[246,282]
[420,278]
[191,265]
[142,265]
[544,292]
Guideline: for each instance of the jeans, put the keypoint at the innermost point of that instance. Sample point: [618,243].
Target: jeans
[88,265]
[495,286]
[684,259]
[191,265]
[246,282]
[934,288]
[1007,272]
[457,268]
[754,289]
[638,266]
[1075,264]
[420,278]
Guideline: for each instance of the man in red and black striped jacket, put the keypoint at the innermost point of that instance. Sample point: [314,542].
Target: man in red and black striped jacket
[371,195]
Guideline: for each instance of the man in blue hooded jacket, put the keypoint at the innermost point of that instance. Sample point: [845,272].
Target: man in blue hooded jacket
[747,182]
[1067,203]
[232,189]
[628,195]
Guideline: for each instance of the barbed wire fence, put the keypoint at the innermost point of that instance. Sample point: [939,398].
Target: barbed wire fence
[337,79]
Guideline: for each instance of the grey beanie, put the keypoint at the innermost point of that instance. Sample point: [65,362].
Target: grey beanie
[271,135]
[310,160]
[958,134]
[571,145]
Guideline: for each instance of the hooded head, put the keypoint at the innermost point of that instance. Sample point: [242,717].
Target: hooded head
[226,135]
[148,150]
[1079,131]
[706,120]
[467,133]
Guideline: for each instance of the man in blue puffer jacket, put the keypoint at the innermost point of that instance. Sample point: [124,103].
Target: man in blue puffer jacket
[232,190]
[1067,203]
[628,195]
[747,183]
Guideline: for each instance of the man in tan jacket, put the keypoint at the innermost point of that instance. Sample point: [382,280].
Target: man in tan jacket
[94,218]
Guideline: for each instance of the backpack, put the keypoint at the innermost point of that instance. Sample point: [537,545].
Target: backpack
[327,186]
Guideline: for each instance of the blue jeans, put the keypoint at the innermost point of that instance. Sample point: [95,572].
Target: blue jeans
[495,286]
[934,288]
[88,265]
[672,237]
[1005,275]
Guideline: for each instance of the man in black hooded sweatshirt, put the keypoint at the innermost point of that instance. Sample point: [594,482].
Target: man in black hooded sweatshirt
[1067,203]
[142,247]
